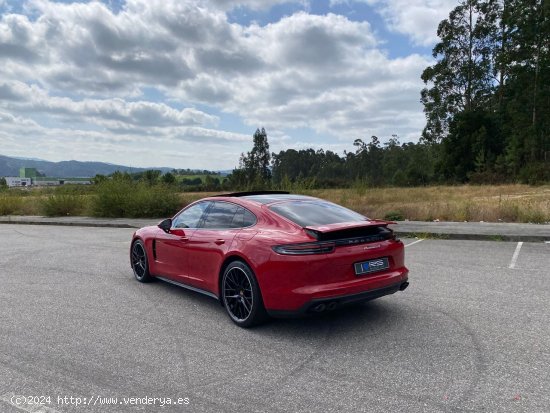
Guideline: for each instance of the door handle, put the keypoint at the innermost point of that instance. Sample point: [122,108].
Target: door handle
[184,239]
[219,242]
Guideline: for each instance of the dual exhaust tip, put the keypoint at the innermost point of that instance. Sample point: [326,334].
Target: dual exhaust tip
[319,308]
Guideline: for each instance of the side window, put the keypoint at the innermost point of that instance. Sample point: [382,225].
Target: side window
[243,218]
[249,218]
[190,217]
[238,218]
[221,216]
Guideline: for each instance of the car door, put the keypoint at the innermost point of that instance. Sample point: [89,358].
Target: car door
[171,248]
[210,242]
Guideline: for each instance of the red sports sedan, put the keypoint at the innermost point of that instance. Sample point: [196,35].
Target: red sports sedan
[272,253]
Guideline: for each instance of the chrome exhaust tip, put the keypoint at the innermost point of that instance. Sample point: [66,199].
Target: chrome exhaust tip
[319,308]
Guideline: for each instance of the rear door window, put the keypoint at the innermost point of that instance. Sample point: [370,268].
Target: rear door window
[221,215]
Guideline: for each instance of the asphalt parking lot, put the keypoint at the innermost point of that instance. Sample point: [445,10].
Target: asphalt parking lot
[469,334]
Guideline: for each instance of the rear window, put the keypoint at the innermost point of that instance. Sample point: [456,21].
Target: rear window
[307,213]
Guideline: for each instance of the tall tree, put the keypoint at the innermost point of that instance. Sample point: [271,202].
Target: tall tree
[526,107]
[254,171]
[461,78]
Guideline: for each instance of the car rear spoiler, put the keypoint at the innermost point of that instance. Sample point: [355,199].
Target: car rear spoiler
[323,229]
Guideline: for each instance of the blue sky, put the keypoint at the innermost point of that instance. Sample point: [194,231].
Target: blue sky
[185,83]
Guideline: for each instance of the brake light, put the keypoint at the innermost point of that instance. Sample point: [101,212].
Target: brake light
[305,248]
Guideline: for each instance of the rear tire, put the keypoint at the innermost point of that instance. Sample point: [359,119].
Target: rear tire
[139,261]
[241,295]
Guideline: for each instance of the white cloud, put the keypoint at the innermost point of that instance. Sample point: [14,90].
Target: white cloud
[84,69]
[321,72]
[254,4]
[10,119]
[417,19]
[19,97]
[192,147]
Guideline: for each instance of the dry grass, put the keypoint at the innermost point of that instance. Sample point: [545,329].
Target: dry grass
[490,203]
[507,203]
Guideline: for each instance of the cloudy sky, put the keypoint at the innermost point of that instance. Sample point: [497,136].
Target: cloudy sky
[185,83]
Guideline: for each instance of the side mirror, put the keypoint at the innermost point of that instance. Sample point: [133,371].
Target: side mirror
[165,225]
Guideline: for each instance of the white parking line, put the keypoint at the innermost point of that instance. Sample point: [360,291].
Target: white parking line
[516,255]
[415,242]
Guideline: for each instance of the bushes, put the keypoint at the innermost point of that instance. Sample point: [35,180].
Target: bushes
[62,205]
[120,197]
[10,205]
[154,201]
[113,198]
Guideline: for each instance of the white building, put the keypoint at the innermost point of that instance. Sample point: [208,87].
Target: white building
[16,181]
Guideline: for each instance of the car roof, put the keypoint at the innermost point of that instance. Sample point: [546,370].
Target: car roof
[269,199]
[265,197]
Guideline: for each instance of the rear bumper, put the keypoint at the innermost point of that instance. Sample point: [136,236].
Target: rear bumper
[319,305]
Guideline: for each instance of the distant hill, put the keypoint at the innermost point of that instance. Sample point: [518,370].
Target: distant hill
[9,166]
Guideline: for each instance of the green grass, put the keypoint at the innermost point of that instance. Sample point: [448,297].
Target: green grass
[180,178]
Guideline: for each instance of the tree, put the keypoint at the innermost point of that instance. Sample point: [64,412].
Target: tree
[3,184]
[99,178]
[121,176]
[168,178]
[254,171]
[461,79]
[151,176]
[528,106]
[211,184]
[367,163]
[471,146]
[307,167]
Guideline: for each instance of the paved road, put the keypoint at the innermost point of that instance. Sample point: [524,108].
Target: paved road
[470,334]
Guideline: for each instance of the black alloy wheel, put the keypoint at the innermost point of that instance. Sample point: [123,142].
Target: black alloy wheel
[241,295]
[139,262]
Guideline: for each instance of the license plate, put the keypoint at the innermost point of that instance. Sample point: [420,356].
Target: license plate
[369,266]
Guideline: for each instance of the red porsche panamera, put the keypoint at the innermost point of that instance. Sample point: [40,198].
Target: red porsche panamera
[272,253]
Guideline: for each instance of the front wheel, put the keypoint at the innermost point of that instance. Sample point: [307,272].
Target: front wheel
[241,295]
[139,262]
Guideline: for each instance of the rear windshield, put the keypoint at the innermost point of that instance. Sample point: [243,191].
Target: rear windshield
[308,213]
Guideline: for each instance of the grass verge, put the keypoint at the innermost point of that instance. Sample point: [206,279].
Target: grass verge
[120,198]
